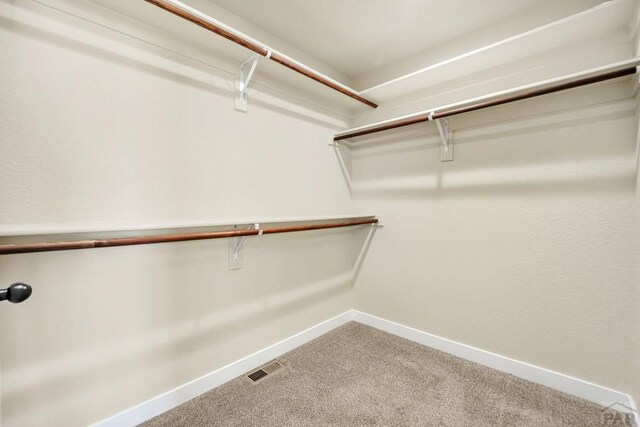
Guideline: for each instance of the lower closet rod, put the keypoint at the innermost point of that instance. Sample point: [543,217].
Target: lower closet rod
[166,238]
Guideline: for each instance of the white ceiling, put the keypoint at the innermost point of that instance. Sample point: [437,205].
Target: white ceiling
[356,37]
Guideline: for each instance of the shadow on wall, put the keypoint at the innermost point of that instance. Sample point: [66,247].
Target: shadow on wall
[185,320]
[165,63]
[571,149]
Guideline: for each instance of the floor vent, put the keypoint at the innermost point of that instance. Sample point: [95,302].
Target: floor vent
[268,369]
[255,376]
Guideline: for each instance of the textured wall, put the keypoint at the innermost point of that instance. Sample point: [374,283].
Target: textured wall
[98,128]
[525,244]
[636,337]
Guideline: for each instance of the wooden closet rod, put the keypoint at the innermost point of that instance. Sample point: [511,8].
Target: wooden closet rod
[198,18]
[425,117]
[167,238]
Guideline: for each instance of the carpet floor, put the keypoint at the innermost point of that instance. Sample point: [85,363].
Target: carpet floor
[359,376]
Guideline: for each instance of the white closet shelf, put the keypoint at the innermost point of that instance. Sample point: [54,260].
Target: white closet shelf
[594,75]
[607,20]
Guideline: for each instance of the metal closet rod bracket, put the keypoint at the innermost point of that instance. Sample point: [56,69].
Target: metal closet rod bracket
[239,241]
[446,137]
[235,244]
[242,85]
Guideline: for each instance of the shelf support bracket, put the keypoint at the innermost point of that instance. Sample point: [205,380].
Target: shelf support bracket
[235,244]
[446,137]
[249,66]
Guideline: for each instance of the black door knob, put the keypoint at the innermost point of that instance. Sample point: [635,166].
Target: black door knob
[16,293]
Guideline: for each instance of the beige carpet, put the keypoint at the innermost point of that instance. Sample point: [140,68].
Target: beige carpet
[359,376]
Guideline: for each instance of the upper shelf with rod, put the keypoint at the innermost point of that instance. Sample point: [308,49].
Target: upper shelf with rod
[596,75]
[192,15]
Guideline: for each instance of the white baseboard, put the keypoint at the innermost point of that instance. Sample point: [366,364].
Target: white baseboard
[574,386]
[555,380]
[179,395]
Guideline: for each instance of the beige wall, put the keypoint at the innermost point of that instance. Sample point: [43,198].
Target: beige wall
[636,368]
[97,128]
[524,245]
[636,337]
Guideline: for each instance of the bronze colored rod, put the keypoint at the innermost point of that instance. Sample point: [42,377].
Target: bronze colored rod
[320,79]
[169,7]
[167,238]
[489,103]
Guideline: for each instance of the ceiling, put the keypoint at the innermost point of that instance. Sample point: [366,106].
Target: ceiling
[356,37]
